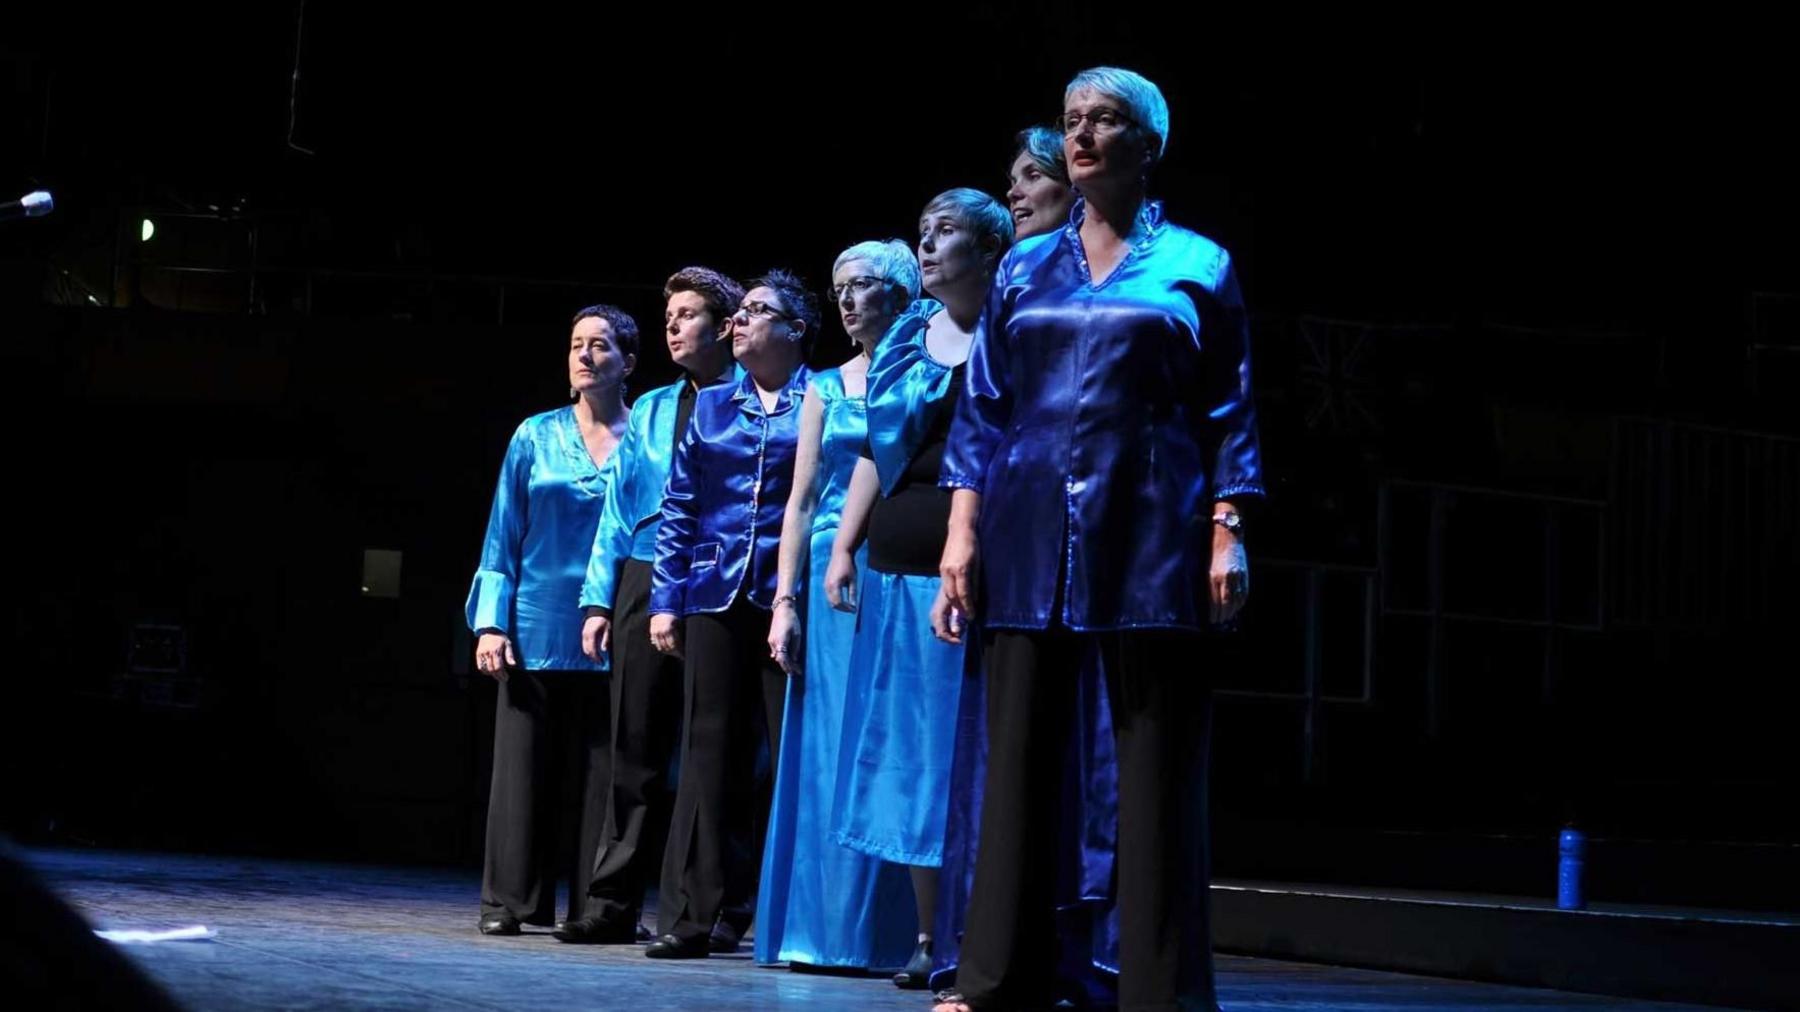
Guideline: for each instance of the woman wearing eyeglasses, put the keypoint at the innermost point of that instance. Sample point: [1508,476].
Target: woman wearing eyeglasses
[900,713]
[1099,457]
[712,587]
[821,904]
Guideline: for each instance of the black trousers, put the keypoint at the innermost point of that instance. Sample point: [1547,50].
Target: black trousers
[735,693]
[1162,719]
[547,804]
[646,714]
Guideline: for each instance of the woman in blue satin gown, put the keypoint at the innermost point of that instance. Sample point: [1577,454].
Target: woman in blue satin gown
[821,904]
[900,715]
[550,725]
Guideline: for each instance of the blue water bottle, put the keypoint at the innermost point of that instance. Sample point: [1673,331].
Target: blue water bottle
[1573,847]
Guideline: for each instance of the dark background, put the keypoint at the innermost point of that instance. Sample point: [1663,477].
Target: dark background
[1528,347]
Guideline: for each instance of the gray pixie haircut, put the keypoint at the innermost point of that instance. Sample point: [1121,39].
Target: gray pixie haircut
[978,212]
[1142,99]
[892,259]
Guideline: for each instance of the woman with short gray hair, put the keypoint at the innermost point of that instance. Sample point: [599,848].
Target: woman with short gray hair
[821,904]
[1100,457]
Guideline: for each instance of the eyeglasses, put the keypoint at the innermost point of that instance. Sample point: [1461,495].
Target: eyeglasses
[764,310]
[1104,121]
[857,285]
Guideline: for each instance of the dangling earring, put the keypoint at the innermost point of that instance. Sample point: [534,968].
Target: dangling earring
[574,394]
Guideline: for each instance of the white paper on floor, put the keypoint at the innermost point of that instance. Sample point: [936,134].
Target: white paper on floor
[197,933]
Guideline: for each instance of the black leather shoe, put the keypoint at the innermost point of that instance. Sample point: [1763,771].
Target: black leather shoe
[595,931]
[677,947]
[724,940]
[917,975]
[499,924]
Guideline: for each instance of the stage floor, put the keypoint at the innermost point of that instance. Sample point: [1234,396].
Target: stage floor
[295,935]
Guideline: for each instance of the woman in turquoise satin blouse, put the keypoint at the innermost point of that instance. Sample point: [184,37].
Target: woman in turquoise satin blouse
[550,724]
[821,904]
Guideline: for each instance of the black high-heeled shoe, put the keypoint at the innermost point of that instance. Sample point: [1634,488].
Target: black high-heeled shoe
[917,975]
